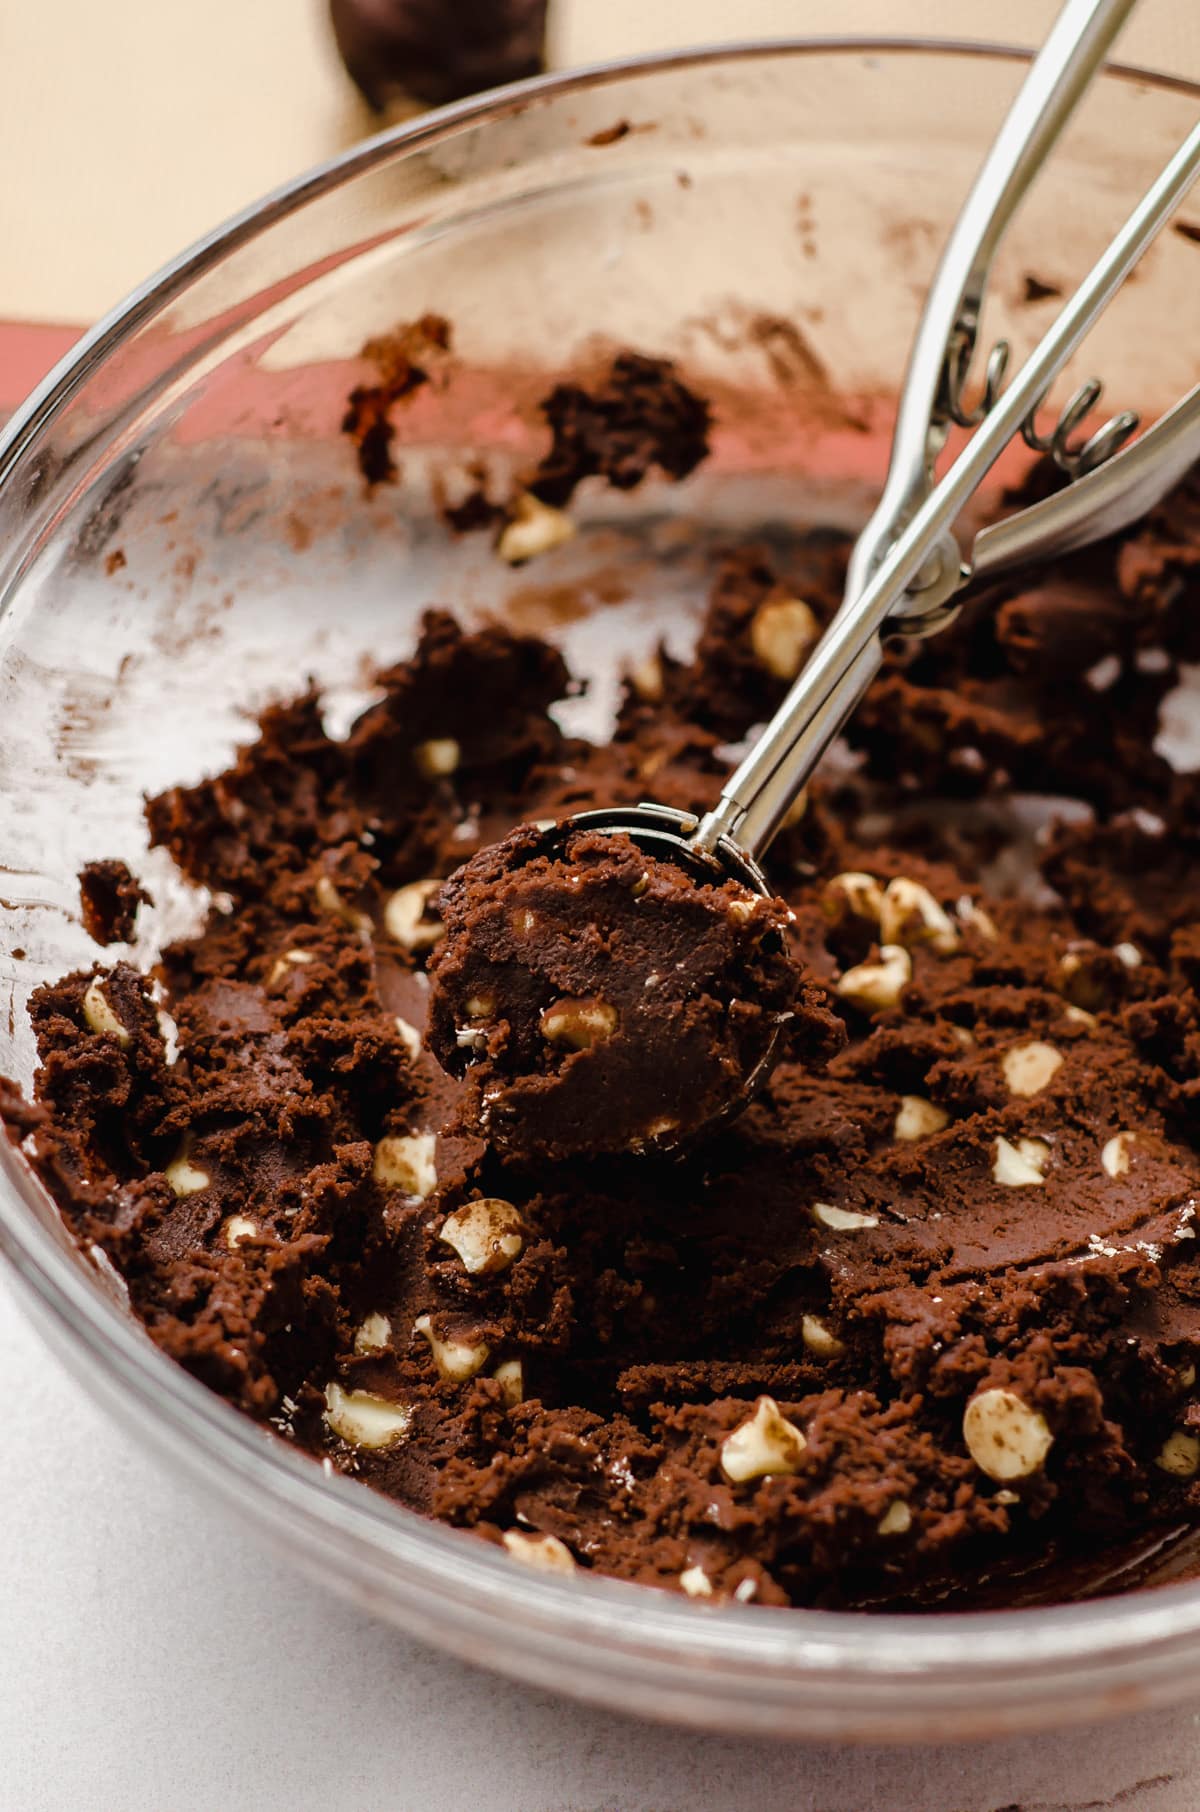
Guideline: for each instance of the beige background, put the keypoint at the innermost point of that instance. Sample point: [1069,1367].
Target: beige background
[128,127]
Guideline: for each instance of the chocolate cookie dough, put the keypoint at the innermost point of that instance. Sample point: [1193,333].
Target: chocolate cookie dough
[402,359]
[921,1327]
[598,1000]
[109,897]
[637,416]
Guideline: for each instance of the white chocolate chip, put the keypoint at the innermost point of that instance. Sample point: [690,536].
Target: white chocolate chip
[579,1023]
[1029,1067]
[1129,954]
[782,631]
[1005,1438]
[543,1553]
[169,1033]
[818,1338]
[362,1419]
[861,892]
[410,1038]
[877,986]
[972,915]
[486,1234]
[765,1443]
[237,1230]
[100,1015]
[1103,673]
[841,1220]
[373,1335]
[1005,1497]
[330,900]
[646,678]
[185,1177]
[919,1119]
[741,911]
[437,758]
[1078,1015]
[695,1582]
[896,1519]
[1186,1376]
[408,918]
[510,1376]
[481,1006]
[291,959]
[406,1161]
[535,527]
[1020,1166]
[1179,1455]
[456,1360]
[912,916]
[1115,1158]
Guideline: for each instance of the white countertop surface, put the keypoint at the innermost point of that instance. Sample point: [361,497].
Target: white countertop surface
[153,1658]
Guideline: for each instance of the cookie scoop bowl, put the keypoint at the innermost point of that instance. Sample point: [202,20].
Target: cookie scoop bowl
[184,535]
[632,1000]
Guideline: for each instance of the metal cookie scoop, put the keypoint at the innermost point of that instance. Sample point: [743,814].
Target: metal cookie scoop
[908,570]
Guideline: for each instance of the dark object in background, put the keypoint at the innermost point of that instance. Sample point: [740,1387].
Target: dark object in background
[437,50]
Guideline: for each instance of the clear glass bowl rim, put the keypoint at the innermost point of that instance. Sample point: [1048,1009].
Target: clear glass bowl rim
[738,1667]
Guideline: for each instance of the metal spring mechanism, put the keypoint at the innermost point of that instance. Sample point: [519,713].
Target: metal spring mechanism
[1074,461]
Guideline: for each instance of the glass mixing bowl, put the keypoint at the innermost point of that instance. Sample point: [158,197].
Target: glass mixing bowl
[184,533]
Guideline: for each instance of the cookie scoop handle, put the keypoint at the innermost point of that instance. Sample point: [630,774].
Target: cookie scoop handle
[918,577]
[948,329]
[1106,501]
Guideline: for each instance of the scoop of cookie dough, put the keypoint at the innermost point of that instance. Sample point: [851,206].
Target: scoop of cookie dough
[600,1000]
